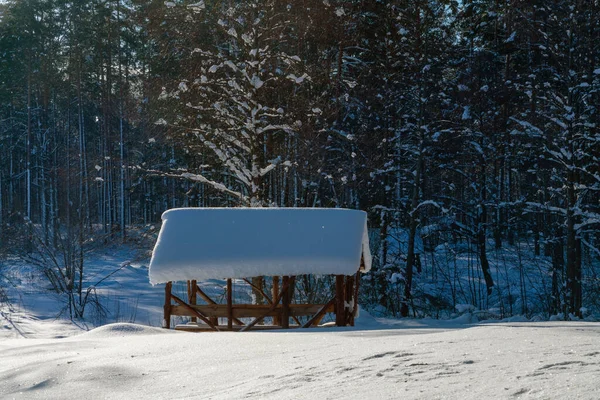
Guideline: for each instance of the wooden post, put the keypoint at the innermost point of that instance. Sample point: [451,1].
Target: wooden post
[229,305]
[349,299]
[273,306]
[285,306]
[167,307]
[275,295]
[356,287]
[340,307]
[192,296]
[213,320]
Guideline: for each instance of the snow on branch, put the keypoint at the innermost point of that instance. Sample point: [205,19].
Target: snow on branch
[267,128]
[272,164]
[533,206]
[529,127]
[202,179]
[429,203]
[591,219]
[591,247]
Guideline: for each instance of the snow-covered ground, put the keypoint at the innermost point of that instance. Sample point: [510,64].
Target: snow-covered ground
[52,358]
[413,360]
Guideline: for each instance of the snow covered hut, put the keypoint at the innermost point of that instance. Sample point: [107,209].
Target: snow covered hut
[239,243]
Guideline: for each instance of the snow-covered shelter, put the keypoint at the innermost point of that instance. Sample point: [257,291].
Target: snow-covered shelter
[196,244]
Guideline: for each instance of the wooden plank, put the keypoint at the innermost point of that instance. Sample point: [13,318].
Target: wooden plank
[284,289]
[355,308]
[229,304]
[275,294]
[167,306]
[259,290]
[295,318]
[248,310]
[285,306]
[214,319]
[322,311]
[340,308]
[318,320]
[290,294]
[193,311]
[192,294]
[205,328]
[205,297]
[197,328]
[349,294]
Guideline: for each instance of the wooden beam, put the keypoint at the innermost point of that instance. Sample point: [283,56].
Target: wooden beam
[275,294]
[192,294]
[285,305]
[236,328]
[319,315]
[167,306]
[248,310]
[206,298]
[229,304]
[194,312]
[193,285]
[292,290]
[349,294]
[273,306]
[340,307]
[259,290]
[277,320]
[355,308]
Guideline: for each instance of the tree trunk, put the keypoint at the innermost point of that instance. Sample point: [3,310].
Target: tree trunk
[573,267]
[412,232]
[481,232]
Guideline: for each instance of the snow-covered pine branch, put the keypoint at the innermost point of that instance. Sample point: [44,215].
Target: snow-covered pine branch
[202,179]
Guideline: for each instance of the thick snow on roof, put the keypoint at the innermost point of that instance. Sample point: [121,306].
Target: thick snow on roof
[219,243]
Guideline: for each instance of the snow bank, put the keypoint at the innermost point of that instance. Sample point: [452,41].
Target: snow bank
[218,243]
[124,329]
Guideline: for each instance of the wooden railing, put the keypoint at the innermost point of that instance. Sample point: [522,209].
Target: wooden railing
[280,309]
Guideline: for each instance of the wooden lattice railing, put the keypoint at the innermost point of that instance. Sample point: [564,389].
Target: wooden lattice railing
[343,304]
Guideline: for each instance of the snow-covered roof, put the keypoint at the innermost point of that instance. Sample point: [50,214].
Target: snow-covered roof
[219,243]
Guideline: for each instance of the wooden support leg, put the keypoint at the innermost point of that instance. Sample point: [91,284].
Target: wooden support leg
[192,296]
[349,299]
[285,306]
[275,295]
[167,307]
[340,307]
[229,305]
[273,306]
[213,320]
[356,287]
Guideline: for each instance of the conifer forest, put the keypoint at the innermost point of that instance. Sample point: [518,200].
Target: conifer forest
[468,130]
